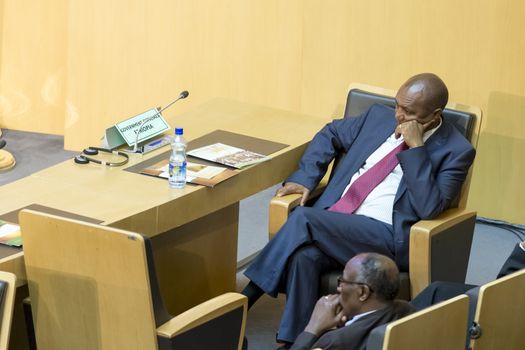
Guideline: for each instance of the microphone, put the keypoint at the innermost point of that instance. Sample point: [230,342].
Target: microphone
[2,144]
[181,96]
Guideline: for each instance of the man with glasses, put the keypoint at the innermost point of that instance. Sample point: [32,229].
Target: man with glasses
[366,290]
[401,165]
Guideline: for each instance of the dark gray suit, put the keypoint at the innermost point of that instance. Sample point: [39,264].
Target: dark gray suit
[355,335]
[314,240]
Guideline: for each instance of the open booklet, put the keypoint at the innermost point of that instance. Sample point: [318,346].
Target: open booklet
[10,234]
[228,155]
[199,174]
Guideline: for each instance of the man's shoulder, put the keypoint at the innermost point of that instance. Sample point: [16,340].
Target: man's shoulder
[381,109]
[454,135]
[375,115]
[402,308]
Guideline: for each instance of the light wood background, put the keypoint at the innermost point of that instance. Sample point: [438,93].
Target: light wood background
[76,67]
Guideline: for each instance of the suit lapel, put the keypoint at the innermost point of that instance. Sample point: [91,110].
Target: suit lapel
[357,159]
[435,141]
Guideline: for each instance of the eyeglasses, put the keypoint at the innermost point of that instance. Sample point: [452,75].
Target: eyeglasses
[340,280]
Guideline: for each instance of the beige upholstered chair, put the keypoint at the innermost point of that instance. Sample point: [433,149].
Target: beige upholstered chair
[442,326]
[439,248]
[500,314]
[7,299]
[95,287]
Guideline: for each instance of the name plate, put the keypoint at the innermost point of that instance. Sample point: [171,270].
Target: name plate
[148,125]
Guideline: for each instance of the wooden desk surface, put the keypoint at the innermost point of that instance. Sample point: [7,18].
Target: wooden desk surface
[147,205]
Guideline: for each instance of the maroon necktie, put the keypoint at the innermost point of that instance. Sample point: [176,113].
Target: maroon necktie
[365,183]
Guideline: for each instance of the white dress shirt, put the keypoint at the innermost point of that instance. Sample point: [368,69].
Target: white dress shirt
[379,203]
[356,317]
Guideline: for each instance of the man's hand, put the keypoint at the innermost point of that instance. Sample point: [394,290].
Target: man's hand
[327,314]
[292,187]
[413,131]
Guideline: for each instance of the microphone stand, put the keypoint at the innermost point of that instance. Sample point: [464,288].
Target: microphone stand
[182,95]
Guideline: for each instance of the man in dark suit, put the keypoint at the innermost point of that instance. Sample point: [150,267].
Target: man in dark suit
[401,165]
[440,291]
[366,290]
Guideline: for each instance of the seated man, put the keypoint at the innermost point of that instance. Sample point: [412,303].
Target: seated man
[367,290]
[401,166]
[440,291]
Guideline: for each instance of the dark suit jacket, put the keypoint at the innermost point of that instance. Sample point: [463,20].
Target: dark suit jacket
[432,174]
[439,291]
[354,336]
[515,262]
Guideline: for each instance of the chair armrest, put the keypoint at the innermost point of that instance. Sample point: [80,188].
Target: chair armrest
[203,313]
[440,248]
[280,207]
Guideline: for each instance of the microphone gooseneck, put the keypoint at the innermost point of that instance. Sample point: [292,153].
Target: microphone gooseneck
[181,96]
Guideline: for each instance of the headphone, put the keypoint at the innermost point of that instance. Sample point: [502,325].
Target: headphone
[92,151]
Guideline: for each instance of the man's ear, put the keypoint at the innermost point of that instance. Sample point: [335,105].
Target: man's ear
[437,113]
[364,293]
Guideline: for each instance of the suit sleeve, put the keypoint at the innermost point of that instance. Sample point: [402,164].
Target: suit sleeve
[432,187]
[334,138]
[304,341]
[515,262]
[329,340]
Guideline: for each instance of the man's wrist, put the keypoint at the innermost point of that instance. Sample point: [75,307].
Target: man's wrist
[313,329]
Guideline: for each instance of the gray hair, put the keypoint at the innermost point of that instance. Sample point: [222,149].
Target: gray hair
[381,274]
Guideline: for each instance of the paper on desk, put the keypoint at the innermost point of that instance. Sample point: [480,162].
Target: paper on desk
[194,170]
[199,174]
[10,234]
[228,155]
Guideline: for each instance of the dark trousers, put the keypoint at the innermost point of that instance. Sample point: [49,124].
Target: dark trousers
[310,242]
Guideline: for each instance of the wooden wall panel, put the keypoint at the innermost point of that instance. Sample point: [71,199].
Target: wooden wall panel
[124,63]
[76,67]
[476,47]
[32,65]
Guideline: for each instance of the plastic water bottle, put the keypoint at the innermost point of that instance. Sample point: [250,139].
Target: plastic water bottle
[177,167]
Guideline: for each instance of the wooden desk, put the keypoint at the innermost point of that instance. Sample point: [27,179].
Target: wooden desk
[193,230]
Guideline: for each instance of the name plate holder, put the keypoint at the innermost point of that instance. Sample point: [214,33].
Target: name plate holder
[147,125]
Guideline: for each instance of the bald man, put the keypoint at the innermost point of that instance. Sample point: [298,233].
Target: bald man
[401,165]
[365,300]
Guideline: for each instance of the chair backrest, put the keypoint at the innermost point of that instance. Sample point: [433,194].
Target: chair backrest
[467,119]
[442,326]
[217,324]
[7,299]
[500,314]
[89,285]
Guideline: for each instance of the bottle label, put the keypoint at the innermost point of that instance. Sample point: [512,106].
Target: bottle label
[177,171]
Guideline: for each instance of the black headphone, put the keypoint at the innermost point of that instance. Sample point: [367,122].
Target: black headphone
[92,151]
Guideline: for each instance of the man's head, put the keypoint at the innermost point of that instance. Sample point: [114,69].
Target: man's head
[422,98]
[369,281]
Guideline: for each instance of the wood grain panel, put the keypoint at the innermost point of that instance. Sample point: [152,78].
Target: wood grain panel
[33,65]
[122,64]
[76,67]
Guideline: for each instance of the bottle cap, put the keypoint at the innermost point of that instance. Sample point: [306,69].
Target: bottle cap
[179,131]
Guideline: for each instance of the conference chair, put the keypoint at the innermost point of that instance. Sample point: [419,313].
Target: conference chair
[439,248]
[7,300]
[95,287]
[441,326]
[499,314]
